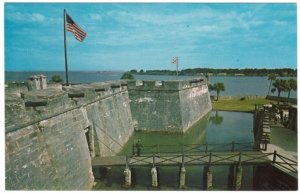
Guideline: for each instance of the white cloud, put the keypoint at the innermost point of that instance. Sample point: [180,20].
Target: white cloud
[279,23]
[26,17]
[95,16]
[37,17]
[159,18]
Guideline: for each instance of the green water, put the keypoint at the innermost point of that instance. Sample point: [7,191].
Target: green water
[215,127]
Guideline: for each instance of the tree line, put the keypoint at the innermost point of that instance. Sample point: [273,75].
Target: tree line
[281,85]
[222,71]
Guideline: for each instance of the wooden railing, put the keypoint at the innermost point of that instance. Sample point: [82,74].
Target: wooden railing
[211,158]
[196,148]
[215,158]
[285,163]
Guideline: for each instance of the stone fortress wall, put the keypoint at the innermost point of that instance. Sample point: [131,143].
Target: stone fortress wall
[52,134]
[170,106]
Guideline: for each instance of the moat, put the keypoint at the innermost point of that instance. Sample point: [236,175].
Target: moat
[217,127]
[82,125]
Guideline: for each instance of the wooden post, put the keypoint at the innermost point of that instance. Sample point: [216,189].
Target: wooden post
[238,174]
[154,182]
[274,157]
[127,174]
[182,174]
[207,178]
[240,158]
[232,146]
[207,175]
[153,160]
[206,147]
[238,178]
[266,145]
[126,161]
[182,177]
[154,177]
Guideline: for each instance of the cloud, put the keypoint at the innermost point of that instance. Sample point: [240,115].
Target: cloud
[26,17]
[150,35]
[161,18]
[279,23]
[37,17]
[95,16]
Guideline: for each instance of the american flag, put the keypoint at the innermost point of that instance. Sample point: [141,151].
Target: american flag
[175,60]
[71,26]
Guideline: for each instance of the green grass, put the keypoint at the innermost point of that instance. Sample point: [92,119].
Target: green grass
[238,104]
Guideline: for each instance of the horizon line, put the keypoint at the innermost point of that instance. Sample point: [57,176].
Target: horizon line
[141,69]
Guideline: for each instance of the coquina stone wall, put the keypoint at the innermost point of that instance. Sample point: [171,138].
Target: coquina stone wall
[52,134]
[170,106]
[194,103]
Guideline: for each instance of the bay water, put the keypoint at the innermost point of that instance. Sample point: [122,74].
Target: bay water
[234,85]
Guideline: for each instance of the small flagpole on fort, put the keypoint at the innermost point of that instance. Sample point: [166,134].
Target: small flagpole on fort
[177,65]
[175,61]
[65,44]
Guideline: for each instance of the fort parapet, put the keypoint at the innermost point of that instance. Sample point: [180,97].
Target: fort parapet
[52,134]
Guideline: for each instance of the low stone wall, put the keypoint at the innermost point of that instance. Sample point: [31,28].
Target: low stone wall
[282,99]
[213,97]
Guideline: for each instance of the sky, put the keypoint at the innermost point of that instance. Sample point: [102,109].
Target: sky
[125,36]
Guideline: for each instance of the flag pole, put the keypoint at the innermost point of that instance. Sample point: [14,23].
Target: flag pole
[65,44]
[177,66]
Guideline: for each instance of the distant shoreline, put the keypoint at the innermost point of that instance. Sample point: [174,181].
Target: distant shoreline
[279,72]
[146,73]
[61,71]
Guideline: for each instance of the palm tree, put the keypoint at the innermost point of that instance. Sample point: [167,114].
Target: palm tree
[292,85]
[279,85]
[219,86]
[271,77]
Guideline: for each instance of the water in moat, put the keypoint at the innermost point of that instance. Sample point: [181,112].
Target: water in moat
[215,127]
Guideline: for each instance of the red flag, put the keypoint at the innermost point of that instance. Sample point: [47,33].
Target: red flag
[71,26]
[175,60]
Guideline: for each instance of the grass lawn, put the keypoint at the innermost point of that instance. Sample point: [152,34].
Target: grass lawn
[239,105]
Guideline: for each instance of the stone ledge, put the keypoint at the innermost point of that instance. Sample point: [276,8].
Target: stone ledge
[165,85]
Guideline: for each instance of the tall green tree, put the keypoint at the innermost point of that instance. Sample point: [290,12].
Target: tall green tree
[56,78]
[292,85]
[271,77]
[127,75]
[218,87]
[280,85]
